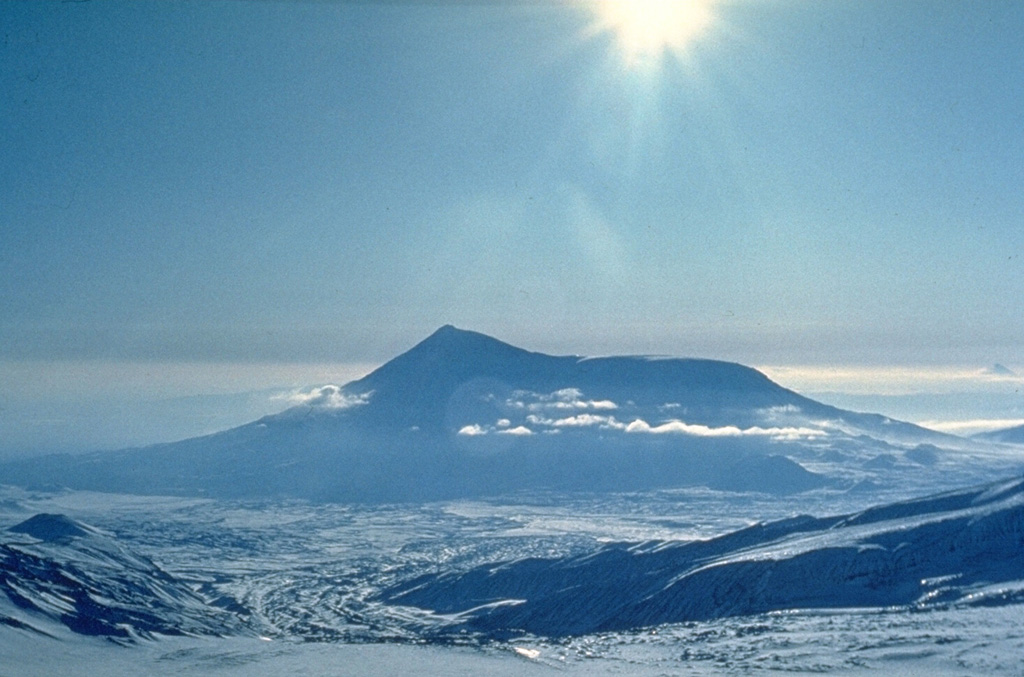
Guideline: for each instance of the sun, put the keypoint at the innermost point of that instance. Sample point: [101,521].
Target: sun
[647,29]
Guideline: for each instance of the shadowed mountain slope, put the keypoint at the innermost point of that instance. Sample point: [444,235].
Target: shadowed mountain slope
[57,571]
[963,547]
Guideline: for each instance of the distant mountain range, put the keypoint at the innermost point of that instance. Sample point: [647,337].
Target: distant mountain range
[463,414]
[959,548]
[1013,435]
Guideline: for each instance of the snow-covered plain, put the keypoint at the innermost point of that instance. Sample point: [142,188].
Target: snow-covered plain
[309,576]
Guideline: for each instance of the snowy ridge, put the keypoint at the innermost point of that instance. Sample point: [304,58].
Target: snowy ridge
[963,547]
[55,570]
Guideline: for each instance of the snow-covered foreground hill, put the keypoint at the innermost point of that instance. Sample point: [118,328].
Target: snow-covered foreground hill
[295,587]
[959,548]
[54,569]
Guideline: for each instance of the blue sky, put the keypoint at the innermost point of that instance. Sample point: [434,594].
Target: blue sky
[322,184]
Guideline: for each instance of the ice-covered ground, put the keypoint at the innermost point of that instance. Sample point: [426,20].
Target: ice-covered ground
[974,642]
[308,574]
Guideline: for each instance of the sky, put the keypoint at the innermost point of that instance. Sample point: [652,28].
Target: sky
[206,204]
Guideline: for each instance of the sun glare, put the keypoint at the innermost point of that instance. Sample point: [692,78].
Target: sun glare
[646,29]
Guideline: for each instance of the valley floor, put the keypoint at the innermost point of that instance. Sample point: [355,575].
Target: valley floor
[935,644]
[308,574]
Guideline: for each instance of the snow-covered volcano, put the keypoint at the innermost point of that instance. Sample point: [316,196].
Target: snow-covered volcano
[463,414]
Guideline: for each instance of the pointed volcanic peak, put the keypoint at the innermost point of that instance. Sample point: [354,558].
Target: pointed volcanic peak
[998,370]
[453,354]
[417,388]
[53,528]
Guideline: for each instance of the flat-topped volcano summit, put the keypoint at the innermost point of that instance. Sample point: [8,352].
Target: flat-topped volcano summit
[416,387]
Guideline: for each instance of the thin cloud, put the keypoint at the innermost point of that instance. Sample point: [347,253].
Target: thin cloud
[518,430]
[477,430]
[566,399]
[674,426]
[698,430]
[325,397]
[785,409]
[972,426]
[577,421]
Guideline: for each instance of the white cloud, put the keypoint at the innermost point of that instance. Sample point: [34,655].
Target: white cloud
[577,421]
[582,420]
[787,432]
[476,430]
[565,394]
[698,430]
[566,399]
[518,430]
[676,426]
[326,397]
[591,419]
